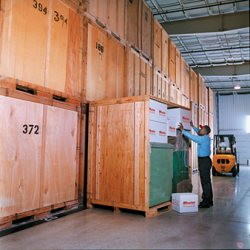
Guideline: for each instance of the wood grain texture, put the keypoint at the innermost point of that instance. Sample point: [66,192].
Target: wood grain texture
[165,52]
[132,21]
[172,62]
[60,156]
[146,30]
[157,44]
[20,155]
[178,68]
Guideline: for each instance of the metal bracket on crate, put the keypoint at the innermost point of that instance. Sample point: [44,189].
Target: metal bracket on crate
[50,218]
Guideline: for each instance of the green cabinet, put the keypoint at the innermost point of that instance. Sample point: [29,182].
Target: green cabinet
[160,173]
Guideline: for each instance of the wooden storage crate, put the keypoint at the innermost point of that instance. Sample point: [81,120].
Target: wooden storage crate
[179,96]
[201,86]
[104,64]
[206,99]
[173,93]
[172,62]
[109,15]
[178,68]
[201,115]
[41,166]
[41,43]
[194,90]
[210,101]
[184,77]
[157,56]
[139,74]
[161,85]
[165,52]
[118,154]
[194,113]
[211,124]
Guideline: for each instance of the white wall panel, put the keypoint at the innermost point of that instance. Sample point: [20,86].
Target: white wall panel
[233,112]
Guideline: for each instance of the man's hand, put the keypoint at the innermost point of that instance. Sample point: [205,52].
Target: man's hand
[191,124]
[180,127]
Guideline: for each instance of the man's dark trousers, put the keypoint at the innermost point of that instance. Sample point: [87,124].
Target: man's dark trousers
[205,165]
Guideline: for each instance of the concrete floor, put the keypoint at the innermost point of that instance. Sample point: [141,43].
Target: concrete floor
[225,225]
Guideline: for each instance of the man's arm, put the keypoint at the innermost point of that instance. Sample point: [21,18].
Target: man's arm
[193,127]
[195,138]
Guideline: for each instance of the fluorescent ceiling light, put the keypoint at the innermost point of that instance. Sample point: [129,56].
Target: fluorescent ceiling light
[237,87]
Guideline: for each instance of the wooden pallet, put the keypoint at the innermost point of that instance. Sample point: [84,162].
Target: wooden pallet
[153,211]
[22,86]
[37,214]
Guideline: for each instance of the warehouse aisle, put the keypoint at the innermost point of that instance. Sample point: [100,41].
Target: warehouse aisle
[225,225]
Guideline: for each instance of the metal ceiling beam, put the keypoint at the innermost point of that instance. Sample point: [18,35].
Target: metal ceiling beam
[201,7]
[211,50]
[243,69]
[209,24]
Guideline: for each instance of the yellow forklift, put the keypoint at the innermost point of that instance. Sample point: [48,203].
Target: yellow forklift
[225,158]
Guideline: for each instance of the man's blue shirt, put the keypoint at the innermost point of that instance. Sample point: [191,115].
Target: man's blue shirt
[204,142]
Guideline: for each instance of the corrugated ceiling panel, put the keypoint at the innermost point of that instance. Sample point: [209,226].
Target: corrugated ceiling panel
[233,110]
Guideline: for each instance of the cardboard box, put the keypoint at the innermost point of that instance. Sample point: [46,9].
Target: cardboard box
[185,202]
[157,132]
[157,111]
[171,128]
[180,115]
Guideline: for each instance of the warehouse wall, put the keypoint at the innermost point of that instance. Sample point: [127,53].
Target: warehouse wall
[233,112]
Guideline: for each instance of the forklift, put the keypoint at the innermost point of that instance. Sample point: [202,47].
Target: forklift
[225,158]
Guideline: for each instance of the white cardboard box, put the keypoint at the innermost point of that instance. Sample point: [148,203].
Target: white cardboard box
[171,130]
[157,111]
[180,115]
[185,202]
[157,132]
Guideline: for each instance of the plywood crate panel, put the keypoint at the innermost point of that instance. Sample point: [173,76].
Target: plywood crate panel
[201,86]
[161,85]
[139,74]
[118,155]
[157,56]
[178,68]
[201,115]
[173,93]
[206,99]
[42,135]
[165,52]
[172,62]
[211,124]
[210,101]
[109,14]
[194,113]
[41,44]
[104,65]
[146,30]
[183,75]
[194,90]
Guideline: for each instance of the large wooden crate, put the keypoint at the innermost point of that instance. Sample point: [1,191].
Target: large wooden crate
[201,87]
[184,78]
[118,153]
[157,56]
[195,119]
[211,124]
[41,43]
[210,101]
[139,74]
[104,64]
[165,52]
[194,90]
[40,164]
[172,62]
[178,68]
[161,85]
[109,15]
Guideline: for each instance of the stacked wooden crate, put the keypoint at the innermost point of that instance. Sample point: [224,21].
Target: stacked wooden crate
[43,117]
[211,111]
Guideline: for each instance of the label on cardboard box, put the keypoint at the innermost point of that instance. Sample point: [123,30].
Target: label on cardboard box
[185,202]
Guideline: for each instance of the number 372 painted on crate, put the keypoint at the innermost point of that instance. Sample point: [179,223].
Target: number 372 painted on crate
[26,130]
[44,10]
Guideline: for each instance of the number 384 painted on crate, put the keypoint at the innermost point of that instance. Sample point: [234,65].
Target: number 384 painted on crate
[28,129]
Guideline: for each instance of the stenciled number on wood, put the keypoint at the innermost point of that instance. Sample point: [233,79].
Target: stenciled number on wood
[26,130]
[59,17]
[39,6]
[99,47]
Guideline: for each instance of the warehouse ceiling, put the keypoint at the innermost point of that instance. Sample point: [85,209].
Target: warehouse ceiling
[212,36]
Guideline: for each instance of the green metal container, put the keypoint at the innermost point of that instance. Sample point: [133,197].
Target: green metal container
[160,173]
